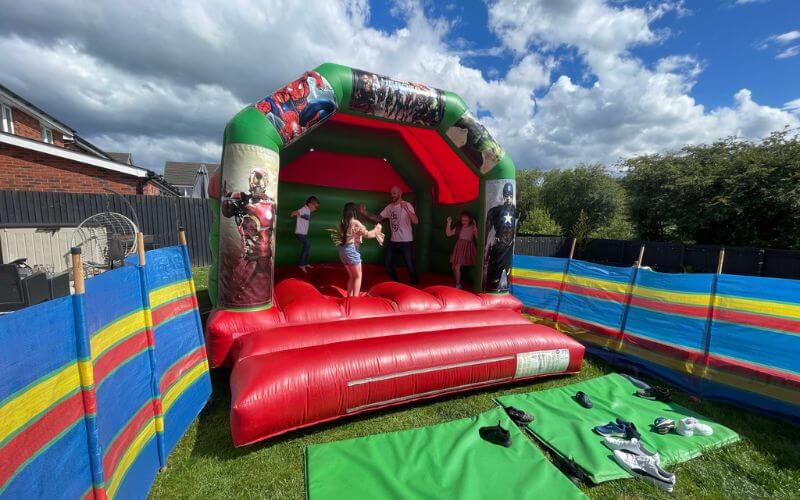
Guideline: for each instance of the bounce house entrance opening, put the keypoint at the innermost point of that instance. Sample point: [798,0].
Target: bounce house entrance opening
[359,159]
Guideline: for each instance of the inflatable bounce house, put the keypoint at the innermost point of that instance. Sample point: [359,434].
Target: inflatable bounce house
[302,352]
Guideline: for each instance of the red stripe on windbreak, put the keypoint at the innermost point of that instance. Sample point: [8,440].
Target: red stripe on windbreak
[171,309]
[124,438]
[670,308]
[175,371]
[28,442]
[118,355]
[538,312]
[722,363]
[758,320]
[534,282]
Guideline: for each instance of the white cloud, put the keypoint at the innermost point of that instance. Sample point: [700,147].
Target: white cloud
[161,79]
[793,106]
[788,37]
[789,52]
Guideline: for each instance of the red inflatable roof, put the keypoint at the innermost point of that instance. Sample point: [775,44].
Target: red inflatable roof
[454,181]
[324,168]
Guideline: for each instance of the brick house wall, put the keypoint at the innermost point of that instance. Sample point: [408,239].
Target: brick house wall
[28,126]
[26,170]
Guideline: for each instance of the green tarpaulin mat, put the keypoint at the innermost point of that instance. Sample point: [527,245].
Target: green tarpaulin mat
[448,460]
[565,427]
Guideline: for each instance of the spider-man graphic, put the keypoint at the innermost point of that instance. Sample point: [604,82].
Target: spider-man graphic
[298,105]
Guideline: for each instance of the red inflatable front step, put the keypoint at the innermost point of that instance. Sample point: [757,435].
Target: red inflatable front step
[281,391]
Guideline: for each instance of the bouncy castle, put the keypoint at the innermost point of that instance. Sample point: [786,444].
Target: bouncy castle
[301,351]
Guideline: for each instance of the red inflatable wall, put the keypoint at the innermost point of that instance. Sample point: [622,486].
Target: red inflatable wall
[317,357]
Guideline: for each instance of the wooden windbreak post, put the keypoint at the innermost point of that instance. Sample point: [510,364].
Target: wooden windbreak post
[86,376]
[181,235]
[564,279]
[192,288]
[629,297]
[158,412]
[712,302]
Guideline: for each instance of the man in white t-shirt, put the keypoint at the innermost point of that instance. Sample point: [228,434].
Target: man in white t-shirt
[303,215]
[401,216]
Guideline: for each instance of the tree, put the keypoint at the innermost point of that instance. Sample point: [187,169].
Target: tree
[587,189]
[731,192]
[529,185]
[538,221]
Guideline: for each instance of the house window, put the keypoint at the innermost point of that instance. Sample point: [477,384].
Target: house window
[47,135]
[8,119]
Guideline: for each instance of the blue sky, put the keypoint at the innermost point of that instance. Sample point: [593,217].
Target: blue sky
[727,37]
[557,82]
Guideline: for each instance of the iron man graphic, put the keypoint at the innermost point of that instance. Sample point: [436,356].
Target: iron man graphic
[254,215]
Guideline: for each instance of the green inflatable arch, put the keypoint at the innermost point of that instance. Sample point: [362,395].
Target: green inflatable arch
[342,135]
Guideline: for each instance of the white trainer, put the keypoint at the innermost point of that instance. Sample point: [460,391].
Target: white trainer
[690,426]
[646,468]
[630,445]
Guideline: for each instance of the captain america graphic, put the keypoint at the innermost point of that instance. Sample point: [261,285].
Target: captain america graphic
[500,221]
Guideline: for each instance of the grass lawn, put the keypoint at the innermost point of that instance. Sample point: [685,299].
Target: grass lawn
[765,464]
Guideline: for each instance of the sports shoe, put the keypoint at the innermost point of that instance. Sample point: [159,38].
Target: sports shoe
[690,426]
[610,429]
[519,417]
[495,434]
[655,393]
[583,399]
[629,445]
[663,425]
[630,429]
[646,468]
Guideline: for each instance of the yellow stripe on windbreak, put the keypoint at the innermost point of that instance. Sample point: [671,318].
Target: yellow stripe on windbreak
[23,408]
[170,292]
[179,387]
[130,455]
[783,309]
[86,372]
[537,275]
[116,331]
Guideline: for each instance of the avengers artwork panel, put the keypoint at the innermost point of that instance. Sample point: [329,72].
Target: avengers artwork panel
[501,216]
[472,138]
[299,105]
[396,100]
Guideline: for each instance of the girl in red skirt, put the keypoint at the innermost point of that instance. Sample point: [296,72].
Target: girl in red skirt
[464,251]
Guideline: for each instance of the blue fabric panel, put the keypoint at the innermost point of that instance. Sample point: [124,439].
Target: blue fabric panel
[750,342]
[548,264]
[611,273]
[763,404]
[174,340]
[27,334]
[60,471]
[684,283]
[139,477]
[185,409]
[667,328]
[121,395]
[764,347]
[111,296]
[165,266]
[602,312]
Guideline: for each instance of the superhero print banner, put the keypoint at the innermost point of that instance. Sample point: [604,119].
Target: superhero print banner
[472,138]
[501,215]
[396,100]
[300,105]
[248,208]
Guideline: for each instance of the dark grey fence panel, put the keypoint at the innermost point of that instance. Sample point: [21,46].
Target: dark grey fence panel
[158,217]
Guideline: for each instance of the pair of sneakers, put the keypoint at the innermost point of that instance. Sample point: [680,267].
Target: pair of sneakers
[640,462]
[618,428]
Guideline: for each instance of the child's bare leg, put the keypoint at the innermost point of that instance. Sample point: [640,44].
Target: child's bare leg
[349,279]
[457,273]
[356,280]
